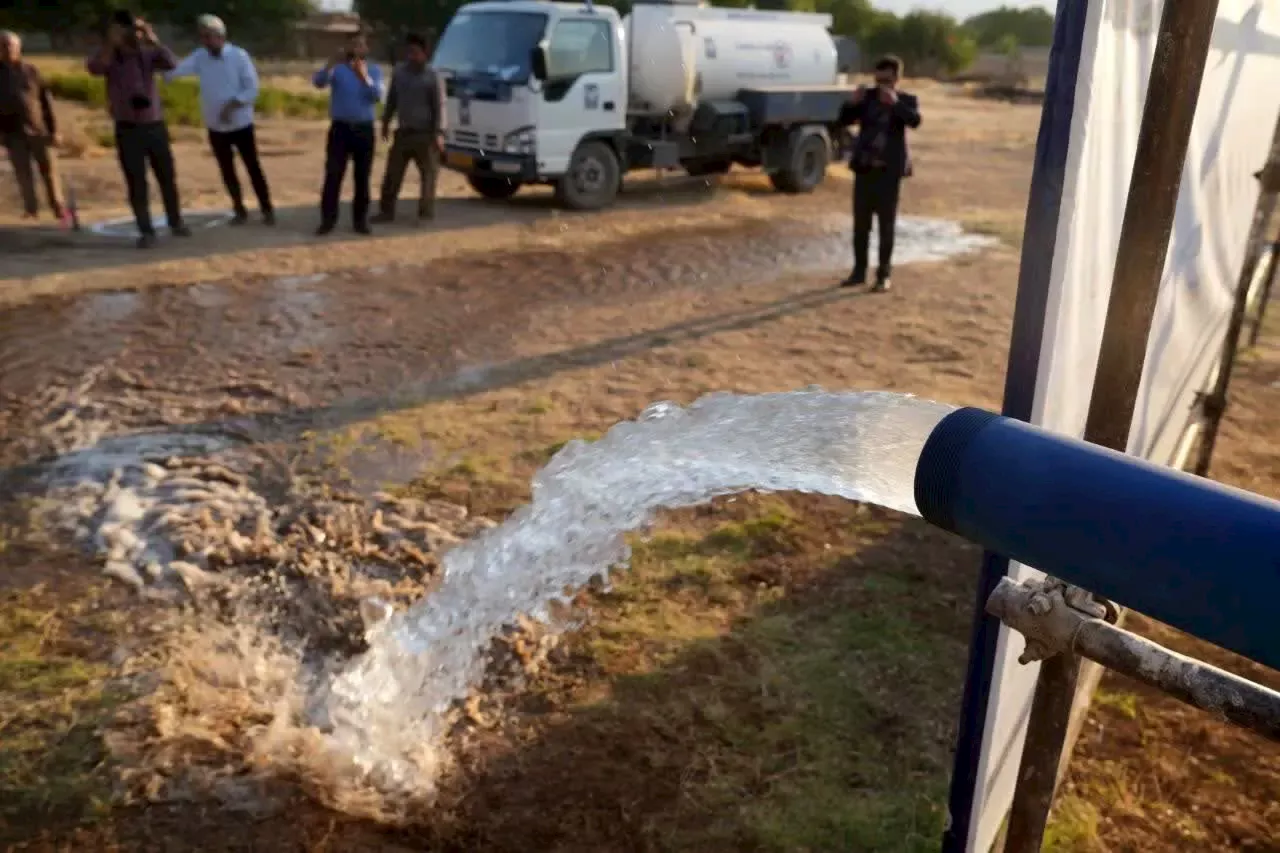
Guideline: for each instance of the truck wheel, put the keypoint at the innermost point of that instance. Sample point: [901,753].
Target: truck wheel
[593,179]
[806,166]
[494,188]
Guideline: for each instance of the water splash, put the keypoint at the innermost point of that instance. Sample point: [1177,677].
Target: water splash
[385,713]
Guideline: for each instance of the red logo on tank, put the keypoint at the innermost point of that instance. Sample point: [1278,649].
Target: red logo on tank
[782,54]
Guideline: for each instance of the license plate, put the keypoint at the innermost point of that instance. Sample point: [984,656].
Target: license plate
[507,168]
[461,161]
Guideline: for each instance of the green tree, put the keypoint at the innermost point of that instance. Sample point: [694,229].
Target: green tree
[60,21]
[1031,27]
[928,42]
[1008,46]
[239,15]
[850,18]
[400,16]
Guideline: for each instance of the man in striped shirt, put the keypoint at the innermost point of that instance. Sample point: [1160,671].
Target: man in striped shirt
[228,90]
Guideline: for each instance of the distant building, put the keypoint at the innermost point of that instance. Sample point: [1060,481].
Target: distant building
[323,34]
[1029,64]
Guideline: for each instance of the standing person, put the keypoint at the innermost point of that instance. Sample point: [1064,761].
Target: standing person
[355,89]
[228,90]
[417,97]
[130,58]
[28,126]
[880,161]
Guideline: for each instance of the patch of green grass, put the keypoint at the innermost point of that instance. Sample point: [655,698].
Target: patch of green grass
[814,720]
[181,98]
[55,694]
[1004,226]
[1125,704]
[1073,827]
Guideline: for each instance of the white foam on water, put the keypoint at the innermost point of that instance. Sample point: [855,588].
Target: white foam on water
[385,713]
[126,228]
[919,239]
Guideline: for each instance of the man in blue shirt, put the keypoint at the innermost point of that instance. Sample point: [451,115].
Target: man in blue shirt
[355,88]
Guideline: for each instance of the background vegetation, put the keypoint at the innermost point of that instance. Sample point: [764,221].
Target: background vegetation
[929,42]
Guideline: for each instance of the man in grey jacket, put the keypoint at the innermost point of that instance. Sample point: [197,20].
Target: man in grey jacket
[417,97]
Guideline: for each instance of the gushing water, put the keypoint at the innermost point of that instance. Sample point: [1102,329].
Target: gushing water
[386,711]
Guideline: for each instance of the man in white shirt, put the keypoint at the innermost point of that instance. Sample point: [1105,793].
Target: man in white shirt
[228,90]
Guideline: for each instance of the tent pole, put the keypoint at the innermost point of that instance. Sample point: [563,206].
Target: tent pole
[1268,280]
[1214,404]
[1182,48]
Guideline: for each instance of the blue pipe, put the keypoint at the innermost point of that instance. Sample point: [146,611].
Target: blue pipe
[1194,554]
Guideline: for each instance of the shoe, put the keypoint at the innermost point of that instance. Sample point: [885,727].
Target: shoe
[383,218]
[882,285]
[146,241]
[426,216]
[362,228]
[857,278]
[180,231]
[241,217]
[325,228]
[268,217]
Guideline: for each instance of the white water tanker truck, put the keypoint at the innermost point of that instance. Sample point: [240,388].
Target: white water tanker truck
[573,96]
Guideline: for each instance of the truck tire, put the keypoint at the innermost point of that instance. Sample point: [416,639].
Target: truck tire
[806,165]
[593,179]
[498,189]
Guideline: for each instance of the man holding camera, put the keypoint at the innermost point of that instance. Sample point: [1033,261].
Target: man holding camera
[28,126]
[129,59]
[880,161]
[355,88]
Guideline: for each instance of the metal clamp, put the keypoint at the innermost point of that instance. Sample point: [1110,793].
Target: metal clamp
[1057,618]
[1049,613]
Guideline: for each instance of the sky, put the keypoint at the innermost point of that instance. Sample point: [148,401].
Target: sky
[957,8]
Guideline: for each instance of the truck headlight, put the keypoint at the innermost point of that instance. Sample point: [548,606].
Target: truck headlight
[520,141]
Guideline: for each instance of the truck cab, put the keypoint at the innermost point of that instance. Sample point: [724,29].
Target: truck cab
[574,96]
[536,93]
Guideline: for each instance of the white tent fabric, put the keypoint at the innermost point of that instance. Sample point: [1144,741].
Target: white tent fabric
[1235,119]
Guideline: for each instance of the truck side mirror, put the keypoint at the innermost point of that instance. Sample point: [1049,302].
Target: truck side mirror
[538,62]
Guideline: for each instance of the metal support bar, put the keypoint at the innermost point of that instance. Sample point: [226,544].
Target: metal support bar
[1182,47]
[1053,626]
[1215,403]
[1268,280]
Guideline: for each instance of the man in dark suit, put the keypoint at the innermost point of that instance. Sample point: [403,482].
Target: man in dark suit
[880,161]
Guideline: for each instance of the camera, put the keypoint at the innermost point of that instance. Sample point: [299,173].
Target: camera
[140,102]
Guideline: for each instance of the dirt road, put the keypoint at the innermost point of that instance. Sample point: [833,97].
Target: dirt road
[696,709]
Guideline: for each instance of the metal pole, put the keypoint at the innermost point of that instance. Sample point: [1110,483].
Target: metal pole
[1044,616]
[1272,265]
[1215,402]
[1182,47]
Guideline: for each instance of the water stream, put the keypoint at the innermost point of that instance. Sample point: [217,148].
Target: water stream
[386,709]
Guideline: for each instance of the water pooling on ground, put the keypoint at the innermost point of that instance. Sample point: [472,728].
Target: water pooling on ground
[324,336]
[385,712]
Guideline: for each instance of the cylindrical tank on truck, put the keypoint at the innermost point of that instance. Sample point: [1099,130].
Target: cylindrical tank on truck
[682,54]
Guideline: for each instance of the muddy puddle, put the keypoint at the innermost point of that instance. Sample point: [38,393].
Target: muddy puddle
[162,420]
[219,349]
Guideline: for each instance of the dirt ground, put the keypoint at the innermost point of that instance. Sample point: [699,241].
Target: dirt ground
[767,677]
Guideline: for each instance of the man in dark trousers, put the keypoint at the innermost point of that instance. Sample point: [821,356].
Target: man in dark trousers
[28,126]
[355,88]
[130,57]
[228,90]
[880,161]
[417,97]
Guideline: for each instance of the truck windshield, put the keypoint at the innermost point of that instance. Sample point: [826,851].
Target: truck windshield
[490,43]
